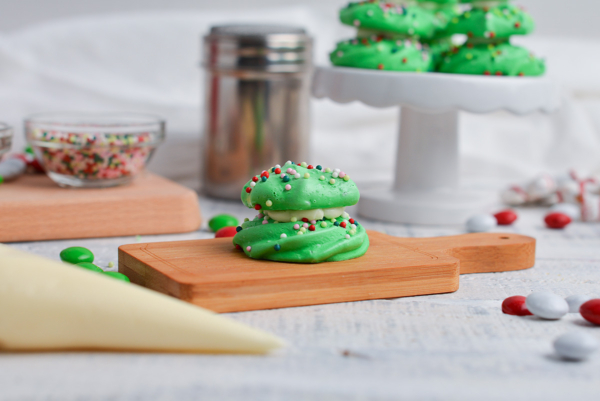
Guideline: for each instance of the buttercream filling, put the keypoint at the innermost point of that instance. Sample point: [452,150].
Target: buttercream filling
[285,216]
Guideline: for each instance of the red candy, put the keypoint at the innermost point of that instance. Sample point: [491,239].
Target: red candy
[351,221]
[226,232]
[255,178]
[257,207]
[311,227]
[248,190]
[304,219]
[590,311]
[343,224]
[505,217]
[515,306]
[277,171]
[239,248]
[310,167]
[557,220]
[264,174]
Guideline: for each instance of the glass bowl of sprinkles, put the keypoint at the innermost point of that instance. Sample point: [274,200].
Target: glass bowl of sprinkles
[6,134]
[94,150]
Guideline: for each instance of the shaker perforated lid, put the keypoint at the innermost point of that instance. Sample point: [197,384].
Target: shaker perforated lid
[271,48]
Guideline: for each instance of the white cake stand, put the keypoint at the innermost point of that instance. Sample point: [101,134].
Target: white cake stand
[426,187]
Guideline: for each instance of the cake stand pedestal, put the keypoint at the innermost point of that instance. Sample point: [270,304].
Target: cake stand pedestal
[426,187]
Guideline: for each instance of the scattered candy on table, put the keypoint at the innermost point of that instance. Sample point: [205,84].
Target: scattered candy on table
[590,311]
[222,220]
[480,223]
[224,232]
[515,306]
[11,169]
[575,345]
[506,217]
[557,220]
[90,266]
[118,276]
[575,302]
[76,254]
[547,305]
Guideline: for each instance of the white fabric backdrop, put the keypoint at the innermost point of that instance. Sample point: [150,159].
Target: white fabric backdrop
[149,62]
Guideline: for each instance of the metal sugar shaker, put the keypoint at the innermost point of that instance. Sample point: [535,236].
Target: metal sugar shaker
[257,88]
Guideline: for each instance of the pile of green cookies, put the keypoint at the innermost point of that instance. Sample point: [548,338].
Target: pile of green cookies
[418,36]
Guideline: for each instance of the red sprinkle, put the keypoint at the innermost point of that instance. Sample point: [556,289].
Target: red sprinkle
[248,190]
[343,224]
[265,174]
[310,167]
[492,35]
[380,66]
[311,227]
[515,306]
[404,60]
[486,73]
[255,178]
[506,217]
[517,24]
[277,171]
[226,232]
[304,219]
[239,248]
[351,221]
[590,311]
[557,220]
[257,207]
[498,73]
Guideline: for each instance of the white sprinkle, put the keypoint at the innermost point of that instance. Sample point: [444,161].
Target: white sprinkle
[335,175]
[347,236]
[287,162]
[353,226]
[336,170]
[340,54]
[266,217]
[283,236]
[111,264]
[356,22]
[297,175]
[277,166]
[252,184]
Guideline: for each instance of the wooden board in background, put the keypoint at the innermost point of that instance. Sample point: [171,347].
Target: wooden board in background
[212,274]
[33,208]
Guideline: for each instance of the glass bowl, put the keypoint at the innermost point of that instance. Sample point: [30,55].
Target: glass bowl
[91,150]
[6,134]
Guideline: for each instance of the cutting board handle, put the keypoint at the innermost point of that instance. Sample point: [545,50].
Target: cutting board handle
[482,252]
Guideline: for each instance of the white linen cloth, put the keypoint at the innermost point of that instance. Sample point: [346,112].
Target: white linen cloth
[150,62]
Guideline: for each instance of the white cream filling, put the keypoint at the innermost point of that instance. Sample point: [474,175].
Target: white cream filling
[284,216]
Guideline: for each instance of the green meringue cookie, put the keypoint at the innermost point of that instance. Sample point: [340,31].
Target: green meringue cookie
[325,244]
[384,17]
[307,193]
[490,59]
[438,48]
[382,54]
[498,22]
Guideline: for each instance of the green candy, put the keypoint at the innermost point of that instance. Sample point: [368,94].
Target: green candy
[118,276]
[90,266]
[501,59]
[76,254]
[222,220]
[382,54]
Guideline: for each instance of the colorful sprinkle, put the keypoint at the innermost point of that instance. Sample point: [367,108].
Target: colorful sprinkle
[310,167]
[342,174]
[323,224]
[248,190]
[303,229]
[346,177]
[255,178]
[319,167]
[351,221]
[257,207]
[248,248]
[277,247]
[288,187]
[312,227]
[335,175]
[332,181]
[299,233]
[327,170]
[297,175]
[322,178]
[265,222]
[343,224]
[305,225]
[269,203]
[238,228]
[296,226]
[283,236]
[306,175]
[294,219]
[246,219]
[286,178]
[263,178]
[347,236]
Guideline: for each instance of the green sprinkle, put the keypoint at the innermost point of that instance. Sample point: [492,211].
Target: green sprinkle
[294,219]
[332,181]
[306,175]
[303,164]
[322,178]
[323,224]
[346,178]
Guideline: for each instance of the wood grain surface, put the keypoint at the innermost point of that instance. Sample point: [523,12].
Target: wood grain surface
[34,208]
[212,274]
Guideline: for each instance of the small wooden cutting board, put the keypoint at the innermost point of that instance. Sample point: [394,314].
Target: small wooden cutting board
[213,274]
[33,208]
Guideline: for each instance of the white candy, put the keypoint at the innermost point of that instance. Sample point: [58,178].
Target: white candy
[547,305]
[568,189]
[514,196]
[571,210]
[575,345]
[481,223]
[12,168]
[541,187]
[590,206]
[575,302]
